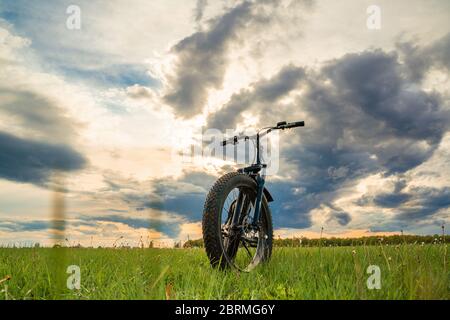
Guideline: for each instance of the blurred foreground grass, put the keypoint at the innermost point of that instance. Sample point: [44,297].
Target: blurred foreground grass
[407,272]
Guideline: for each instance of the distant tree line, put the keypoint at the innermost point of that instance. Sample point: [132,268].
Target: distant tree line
[342,242]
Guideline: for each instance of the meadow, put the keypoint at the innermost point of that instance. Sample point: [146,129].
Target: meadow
[408,271]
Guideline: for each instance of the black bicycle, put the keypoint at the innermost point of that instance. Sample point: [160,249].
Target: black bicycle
[237,222]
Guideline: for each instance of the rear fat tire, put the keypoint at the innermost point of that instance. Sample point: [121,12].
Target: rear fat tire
[211,224]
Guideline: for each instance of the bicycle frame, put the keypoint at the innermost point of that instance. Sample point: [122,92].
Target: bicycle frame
[254,171]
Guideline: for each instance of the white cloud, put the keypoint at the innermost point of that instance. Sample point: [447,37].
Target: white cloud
[128,130]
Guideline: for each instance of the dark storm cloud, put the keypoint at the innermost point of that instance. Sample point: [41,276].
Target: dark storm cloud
[424,205]
[30,226]
[343,218]
[425,202]
[202,60]
[200,10]
[169,228]
[189,205]
[199,179]
[259,97]
[31,161]
[440,52]
[373,82]
[44,145]
[43,225]
[394,200]
[36,114]
[287,209]
[174,201]
[419,60]
[364,115]
[183,196]
[165,198]
[337,215]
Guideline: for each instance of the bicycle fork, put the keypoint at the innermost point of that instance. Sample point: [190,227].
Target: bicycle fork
[260,181]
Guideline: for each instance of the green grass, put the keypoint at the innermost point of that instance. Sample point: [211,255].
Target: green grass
[407,272]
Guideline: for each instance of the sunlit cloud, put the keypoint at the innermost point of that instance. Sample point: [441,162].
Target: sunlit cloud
[110,107]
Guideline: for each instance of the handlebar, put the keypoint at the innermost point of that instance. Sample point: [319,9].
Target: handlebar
[280,126]
[284,125]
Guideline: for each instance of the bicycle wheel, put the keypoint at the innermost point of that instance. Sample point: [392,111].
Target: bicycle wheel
[241,246]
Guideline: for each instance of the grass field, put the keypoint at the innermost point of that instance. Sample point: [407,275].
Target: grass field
[407,272]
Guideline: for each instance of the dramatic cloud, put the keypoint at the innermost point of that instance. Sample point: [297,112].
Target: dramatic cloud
[36,137]
[107,230]
[169,228]
[424,203]
[343,218]
[200,10]
[30,226]
[416,206]
[373,83]
[202,60]
[182,197]
[35,115]
[373,155]
[363,116]
[392,199]
[412,204]
[259,98]
[30,161]
[420,59]
[387,200]
[37,133]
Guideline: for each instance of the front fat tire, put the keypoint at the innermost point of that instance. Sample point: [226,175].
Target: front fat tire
[211,224]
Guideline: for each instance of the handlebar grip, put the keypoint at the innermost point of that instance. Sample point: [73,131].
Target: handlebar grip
[295,124]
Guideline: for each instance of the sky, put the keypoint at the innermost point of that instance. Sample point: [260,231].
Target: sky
[95,117]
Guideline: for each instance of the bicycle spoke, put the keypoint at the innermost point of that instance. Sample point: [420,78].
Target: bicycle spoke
[248,251]
[239,243]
